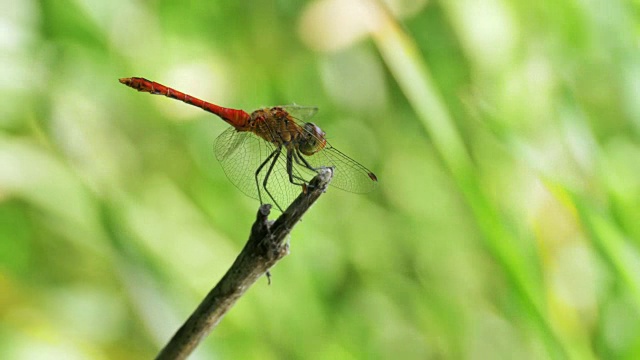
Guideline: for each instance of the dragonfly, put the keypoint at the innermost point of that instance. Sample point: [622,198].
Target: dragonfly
[272,153]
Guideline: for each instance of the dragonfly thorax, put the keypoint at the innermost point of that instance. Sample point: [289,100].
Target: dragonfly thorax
[278,127]
[273,125]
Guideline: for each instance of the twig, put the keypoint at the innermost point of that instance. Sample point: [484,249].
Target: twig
[266,246]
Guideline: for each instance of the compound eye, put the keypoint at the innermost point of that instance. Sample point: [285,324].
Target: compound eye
[314,130]
[314,140]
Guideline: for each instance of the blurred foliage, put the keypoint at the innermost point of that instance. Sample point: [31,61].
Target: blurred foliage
[505,135]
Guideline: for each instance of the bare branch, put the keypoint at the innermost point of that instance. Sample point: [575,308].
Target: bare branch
[266,246]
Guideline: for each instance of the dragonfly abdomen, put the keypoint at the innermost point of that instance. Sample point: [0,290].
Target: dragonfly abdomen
[234,117]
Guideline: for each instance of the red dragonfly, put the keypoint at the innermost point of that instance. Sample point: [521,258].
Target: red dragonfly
[273,150]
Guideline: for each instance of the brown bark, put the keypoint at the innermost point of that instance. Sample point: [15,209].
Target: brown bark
[265,247]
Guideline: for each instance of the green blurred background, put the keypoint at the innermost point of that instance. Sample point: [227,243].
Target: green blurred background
[505,134]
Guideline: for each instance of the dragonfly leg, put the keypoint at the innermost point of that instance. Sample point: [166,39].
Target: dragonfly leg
[277,151]
[302,182]
[300,160]
[303,162]
[275,155]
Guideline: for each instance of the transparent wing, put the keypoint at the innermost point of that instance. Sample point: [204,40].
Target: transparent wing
[241,154]
[348,174]
[259,168]
[301,113]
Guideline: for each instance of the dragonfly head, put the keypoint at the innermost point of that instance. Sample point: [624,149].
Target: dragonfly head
[313,139]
